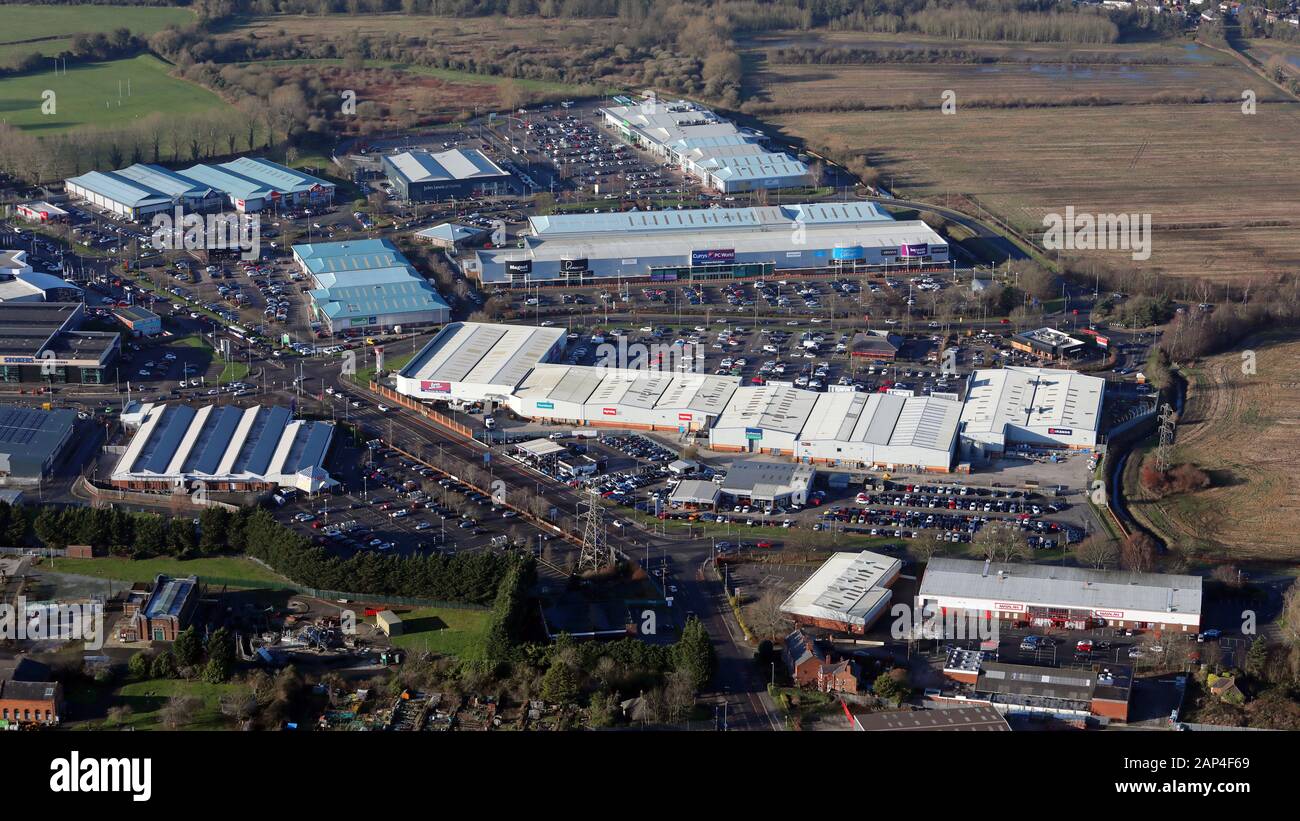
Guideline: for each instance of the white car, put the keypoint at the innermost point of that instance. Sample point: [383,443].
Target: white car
[383,408]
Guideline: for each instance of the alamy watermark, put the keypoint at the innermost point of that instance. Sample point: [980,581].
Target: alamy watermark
[951,624]
[52,621]
[180,231]
[675,357]
[1073,231]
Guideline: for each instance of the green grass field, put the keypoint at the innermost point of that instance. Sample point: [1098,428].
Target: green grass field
[10,53]
[147,699]
[32,22]
[233,372]
[392,364]
[88,95]
[448,631]
[144,570]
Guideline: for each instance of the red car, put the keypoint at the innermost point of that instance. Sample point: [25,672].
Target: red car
[765,544]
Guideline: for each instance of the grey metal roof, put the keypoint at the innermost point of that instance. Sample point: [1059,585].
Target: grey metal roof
[446,166]
[1056,586]
[779,239]
[747,475]
[708,219]
[1040,682]
[262,441]
[696,492]
[213,440]
[275,176]
[982,718]
[28,436]
[117,188]
[482,353]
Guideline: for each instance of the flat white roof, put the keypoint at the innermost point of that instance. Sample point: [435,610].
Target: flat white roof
[447,166]
[708,219]
[848,587]
[1031,397]
[541,447]
[771,407]
[883,419]
[631,388]
[482,353]
[1056,586]
[743,240]
[701,136]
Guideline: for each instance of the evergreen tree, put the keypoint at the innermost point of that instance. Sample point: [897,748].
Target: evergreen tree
[187,648]
[221,657]
[693,653]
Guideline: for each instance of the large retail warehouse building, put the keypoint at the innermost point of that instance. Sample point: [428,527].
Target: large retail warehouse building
[711,243]
[225,448]
[1062,597]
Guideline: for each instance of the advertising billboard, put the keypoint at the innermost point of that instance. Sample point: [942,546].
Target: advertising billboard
[753,433]
[713,256]
[567,265]
[435,387]
[917,250]
[1060,431]
[519,266]
[847,252]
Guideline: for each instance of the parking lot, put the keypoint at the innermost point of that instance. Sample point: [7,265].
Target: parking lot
[392,504]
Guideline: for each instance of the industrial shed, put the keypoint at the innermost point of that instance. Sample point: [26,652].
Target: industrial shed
[1035,407]
[858,429]
[765,419]
[247,183]
[722,156]
[32,442]
[225,448]
[761,481]
[452,235]
[695,494]
[840,248]
[1062,597]
[474,361]
[367,284]
[847,594]
[623,398]
[418,176]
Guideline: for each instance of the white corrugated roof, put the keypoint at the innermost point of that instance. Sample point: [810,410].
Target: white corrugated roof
[848,587]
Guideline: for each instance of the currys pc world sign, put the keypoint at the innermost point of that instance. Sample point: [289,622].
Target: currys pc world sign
[713,256]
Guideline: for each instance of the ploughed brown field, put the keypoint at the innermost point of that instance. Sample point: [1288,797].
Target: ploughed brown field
[1221,186]
[1150,128]
[1241,428]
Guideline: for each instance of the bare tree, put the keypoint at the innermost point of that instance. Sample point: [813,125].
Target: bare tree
[1000,542]
[1137,553]
[765,616]
[1097,552]
[179,711]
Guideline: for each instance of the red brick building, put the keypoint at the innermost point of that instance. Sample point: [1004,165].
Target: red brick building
[810,665]
[30,702]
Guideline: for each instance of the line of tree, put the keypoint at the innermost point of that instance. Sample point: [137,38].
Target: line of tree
[474,578]
[85,48]
[849,56]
